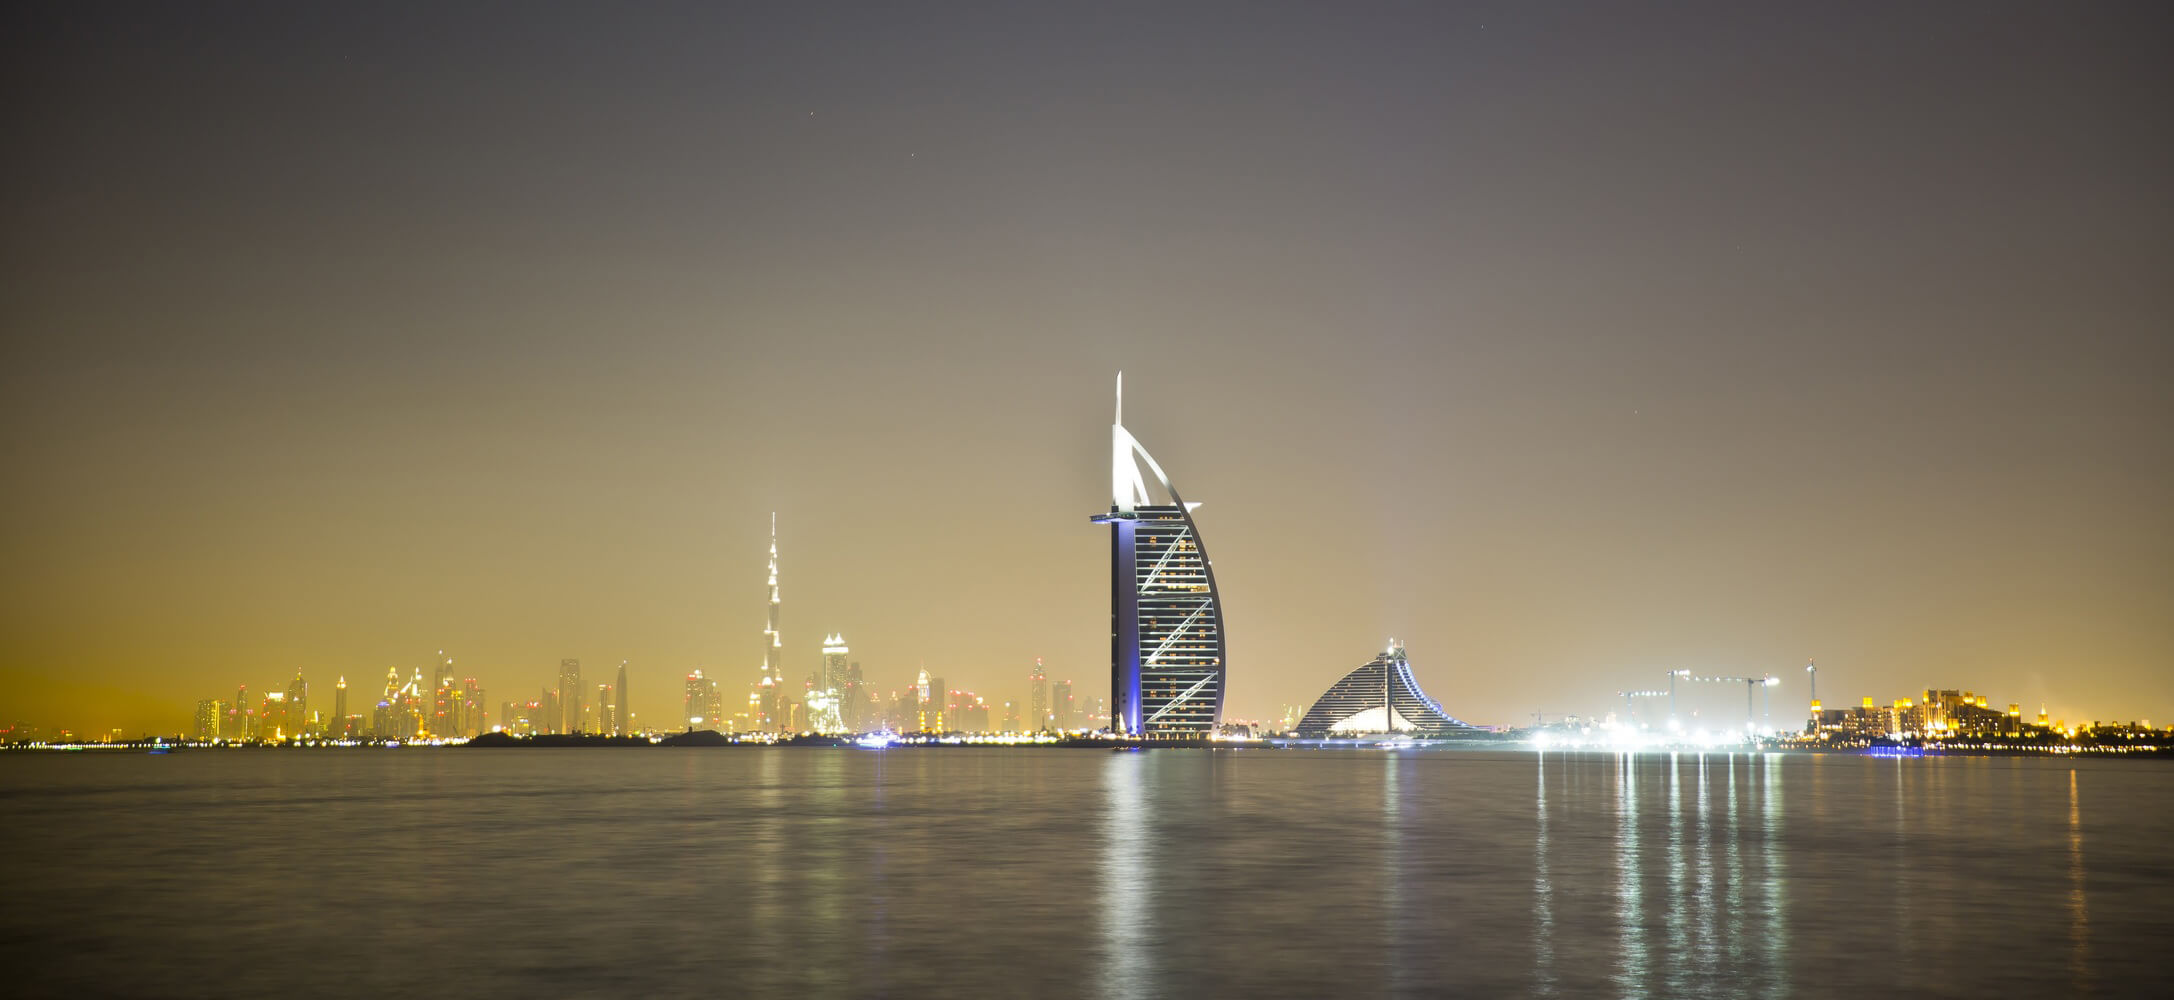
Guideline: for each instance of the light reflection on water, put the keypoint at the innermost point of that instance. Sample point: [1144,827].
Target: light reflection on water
[1059,873]
[1772,979]
[1127,883]
[2079,914]
[1543,901]
[1630,904]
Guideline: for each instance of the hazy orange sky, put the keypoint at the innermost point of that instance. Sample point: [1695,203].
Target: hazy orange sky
[1569,345]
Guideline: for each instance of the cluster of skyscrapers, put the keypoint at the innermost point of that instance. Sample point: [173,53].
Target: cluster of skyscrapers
[277,715]
[836,698]
[1167,669]
[446,706]
[1946,714]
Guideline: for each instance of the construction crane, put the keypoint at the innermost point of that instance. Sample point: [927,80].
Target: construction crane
[1750,683]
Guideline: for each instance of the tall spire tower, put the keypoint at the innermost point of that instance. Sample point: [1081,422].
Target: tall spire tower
[772,684]
[775,644]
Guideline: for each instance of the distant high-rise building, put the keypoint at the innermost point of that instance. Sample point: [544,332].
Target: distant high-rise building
[385,724]
[1037,698]
[444,715]
[1166,622]
[770,688]
[570,699]
[272,717]
[604,722]
[1060,706]
[696,701]
[237,715]
[208,719]
[411,703]
[704,704]
[853,699]
[339,707]
[826,709]
[477,721]
[297,720]
[834,661]
[620,722]
[934,708]
[970,714]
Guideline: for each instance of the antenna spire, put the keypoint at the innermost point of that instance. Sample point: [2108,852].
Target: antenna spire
[1120,398]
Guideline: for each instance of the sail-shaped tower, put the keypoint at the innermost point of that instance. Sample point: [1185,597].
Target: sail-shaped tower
[1167,666]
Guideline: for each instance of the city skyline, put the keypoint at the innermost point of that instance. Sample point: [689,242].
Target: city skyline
[1571,346]
[564,713]
[779,710]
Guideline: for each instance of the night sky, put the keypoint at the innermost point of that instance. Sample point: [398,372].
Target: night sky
[1568,343]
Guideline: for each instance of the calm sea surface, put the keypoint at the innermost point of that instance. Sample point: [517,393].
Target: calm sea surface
[1060,873]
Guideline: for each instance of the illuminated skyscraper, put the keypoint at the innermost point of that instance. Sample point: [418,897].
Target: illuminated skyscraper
[570,696]
[208,719]
[929,697]
[824,713]
[1166,621]
[969,713]
[621,724]
[415,705]
[272,717]
[770,694]
[475,722]
[769,704]
[444,714]
[1060,706]
[456,711]
[385,725]
[853,699]
[696,701]
[298,720]
[1037,698]
[237,715]
[339,708]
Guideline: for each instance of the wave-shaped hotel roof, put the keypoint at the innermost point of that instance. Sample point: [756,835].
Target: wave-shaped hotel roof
[1379,697]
